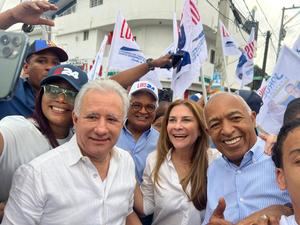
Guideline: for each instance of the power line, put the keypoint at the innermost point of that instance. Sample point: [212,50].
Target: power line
[248,11]
[219,11]
[226,17]
[266,19]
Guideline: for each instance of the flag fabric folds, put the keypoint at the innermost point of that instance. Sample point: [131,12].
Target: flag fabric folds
[283,86]
[192,44]
[296,46]
[96,70]
[125,52]
[229,45]
[245,67]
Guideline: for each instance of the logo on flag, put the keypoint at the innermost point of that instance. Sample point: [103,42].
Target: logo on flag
[192,45]
[282,87]
[229,45]
[244,70]
[125,52]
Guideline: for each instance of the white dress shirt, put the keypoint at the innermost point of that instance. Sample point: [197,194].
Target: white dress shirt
[63,187]
[167,201]
[288,220]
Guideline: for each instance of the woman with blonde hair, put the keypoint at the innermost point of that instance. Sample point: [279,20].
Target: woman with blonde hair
[174,180]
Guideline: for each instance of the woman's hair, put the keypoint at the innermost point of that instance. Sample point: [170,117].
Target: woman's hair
[42,121]
[283,133]
[199,159]
[104,86]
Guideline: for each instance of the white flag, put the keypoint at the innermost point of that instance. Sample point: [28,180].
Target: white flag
[296,46]
[192,44]
[125,52]
[245,67]
[229,45]
[283,86]
[261,90]
[95,71]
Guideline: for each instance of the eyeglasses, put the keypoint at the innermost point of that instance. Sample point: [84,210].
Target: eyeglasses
[54,91]
[136,106]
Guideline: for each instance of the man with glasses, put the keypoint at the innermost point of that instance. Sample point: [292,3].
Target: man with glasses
[137,135]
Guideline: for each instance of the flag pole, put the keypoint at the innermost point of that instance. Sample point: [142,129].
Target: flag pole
[204,92]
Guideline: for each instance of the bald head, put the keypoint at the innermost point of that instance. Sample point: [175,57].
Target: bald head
[220,95]
[231,125]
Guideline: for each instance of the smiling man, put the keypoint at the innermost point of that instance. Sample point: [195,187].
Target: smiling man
[87,180]
[244,176]
[137,135]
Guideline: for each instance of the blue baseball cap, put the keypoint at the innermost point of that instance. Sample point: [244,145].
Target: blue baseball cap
[195,97]
[39,46]
[67,72]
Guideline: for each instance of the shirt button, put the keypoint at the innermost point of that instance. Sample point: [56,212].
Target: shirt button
[238,171]
[95,175]
[242,200]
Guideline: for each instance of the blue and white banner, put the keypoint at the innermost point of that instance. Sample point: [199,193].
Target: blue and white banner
[245,67]
[192,44]
[229,45]
[125,52]
[296,46]
[283,86]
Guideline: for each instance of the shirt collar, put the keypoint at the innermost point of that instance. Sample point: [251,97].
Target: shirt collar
[147,132]
[73,152]
[252,155]
[74,155]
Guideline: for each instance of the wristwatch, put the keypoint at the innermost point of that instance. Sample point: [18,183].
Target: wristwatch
[150,64]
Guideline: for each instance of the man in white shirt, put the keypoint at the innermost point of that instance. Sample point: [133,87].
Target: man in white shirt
[85,181]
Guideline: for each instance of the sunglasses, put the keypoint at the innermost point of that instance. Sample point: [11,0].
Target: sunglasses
[136,106]
[54,91]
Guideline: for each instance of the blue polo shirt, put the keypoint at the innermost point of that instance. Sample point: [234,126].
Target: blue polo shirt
[22,103]
[140,149]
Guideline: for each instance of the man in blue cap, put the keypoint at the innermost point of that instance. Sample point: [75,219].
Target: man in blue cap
[42,56]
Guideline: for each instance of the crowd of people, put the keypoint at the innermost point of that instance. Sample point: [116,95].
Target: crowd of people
[74,151]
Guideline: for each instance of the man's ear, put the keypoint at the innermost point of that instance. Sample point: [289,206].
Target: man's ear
[75,119]
[280,178]
[26,68]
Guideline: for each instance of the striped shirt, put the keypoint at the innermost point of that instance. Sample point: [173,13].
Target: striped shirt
[246,188]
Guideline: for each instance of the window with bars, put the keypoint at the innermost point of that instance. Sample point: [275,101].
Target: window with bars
[94,3]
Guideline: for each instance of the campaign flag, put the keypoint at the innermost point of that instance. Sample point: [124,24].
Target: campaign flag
[283,86]
[296,46]
[125,52]
[261,90]
[96,69]
[229,45]
[192,45]
[245,67]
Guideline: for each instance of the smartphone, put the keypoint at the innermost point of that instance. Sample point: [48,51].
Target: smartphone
[176,59]
[13,47]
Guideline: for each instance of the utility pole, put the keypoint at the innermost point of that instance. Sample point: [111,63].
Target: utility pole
[282,31]
[219,65]
[266,53]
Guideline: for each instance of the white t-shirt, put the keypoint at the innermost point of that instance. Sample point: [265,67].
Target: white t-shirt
[63,187]
[22,143]
[288,220]
[167,201]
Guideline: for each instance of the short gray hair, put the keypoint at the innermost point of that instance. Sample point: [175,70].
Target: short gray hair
[106,85]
